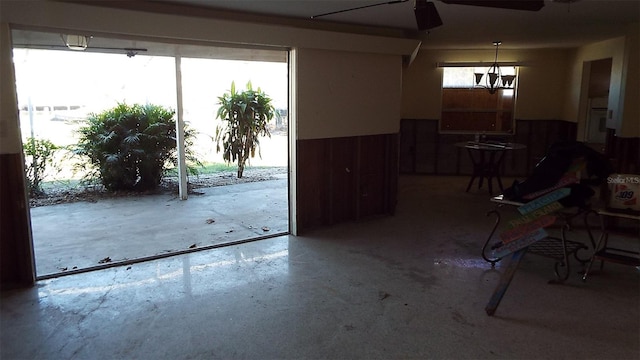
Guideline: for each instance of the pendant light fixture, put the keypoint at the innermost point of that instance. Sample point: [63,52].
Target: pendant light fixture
[493,78]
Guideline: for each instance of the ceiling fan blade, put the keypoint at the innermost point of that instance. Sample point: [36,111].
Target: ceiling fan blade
[359,7]
[528,5]
[427,16]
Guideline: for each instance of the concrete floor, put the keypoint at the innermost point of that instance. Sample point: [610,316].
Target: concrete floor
[408,286]
[76,236]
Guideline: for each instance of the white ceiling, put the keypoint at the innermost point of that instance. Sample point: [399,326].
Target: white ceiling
[557,24]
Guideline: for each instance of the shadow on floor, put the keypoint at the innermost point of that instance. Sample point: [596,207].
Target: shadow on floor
[408,286]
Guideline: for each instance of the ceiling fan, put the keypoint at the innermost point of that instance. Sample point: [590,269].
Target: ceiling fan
[427,16]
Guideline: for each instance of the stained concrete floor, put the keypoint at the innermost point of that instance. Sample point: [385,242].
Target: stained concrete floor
[411,285]
[76,236]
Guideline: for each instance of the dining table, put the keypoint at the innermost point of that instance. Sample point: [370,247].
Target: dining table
[487,157]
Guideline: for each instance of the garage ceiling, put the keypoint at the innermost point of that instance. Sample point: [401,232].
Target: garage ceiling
[559,24]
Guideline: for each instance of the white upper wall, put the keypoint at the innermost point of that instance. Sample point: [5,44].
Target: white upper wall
[350,84]
[542,81]
[630,126]
[551,84]
[347,94]
[178,28]
[10,142]
[624,88]
[575,106]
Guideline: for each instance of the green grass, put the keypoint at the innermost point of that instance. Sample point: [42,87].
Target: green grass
[61,183]
[212,168]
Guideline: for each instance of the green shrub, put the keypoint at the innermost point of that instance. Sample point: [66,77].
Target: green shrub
[130,147]
[39,155]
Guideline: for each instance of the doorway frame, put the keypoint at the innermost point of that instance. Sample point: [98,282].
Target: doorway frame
[291,148]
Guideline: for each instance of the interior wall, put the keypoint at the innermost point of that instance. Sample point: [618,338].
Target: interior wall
[630,126]
[334,68]
[346,179]
[576,105]
[85,18]
[347,94]
[9,124]
[17,267]
[542,81]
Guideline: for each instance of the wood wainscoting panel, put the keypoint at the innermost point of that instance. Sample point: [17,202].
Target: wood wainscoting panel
[426,147]
[418,146]
[377,179]
[17,267]
[313,183]
[345,179]
[408,136]
[538,136]
[624,153]
[447,159]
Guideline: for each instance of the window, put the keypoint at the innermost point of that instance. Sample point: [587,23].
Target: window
[467,107]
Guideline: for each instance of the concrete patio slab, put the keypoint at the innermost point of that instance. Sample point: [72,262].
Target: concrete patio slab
[75,236]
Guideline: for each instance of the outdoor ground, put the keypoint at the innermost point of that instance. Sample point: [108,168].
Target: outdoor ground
[76,227]
[75,230]
[62,194]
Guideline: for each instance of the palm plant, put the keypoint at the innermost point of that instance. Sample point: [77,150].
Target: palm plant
[130,147]
[245,117]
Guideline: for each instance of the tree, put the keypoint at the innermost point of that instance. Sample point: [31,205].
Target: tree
[245,117]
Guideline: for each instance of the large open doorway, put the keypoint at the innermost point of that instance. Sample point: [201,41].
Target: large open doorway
[598,73]
[76,225]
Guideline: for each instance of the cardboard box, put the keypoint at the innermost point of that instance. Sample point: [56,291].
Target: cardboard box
[623,192]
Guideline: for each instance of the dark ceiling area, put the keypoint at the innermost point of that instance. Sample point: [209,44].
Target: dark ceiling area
[541,24]
[559,23]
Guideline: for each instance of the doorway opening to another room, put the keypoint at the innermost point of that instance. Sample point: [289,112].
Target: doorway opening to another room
[597,112]
[78,222]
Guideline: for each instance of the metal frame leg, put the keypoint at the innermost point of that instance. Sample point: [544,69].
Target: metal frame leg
[496,170]
[602,241]
[493,261]
[476,169]
[565,259]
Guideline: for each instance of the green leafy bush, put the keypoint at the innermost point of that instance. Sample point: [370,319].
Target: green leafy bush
[131,146]
[39,156]
[245,116]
